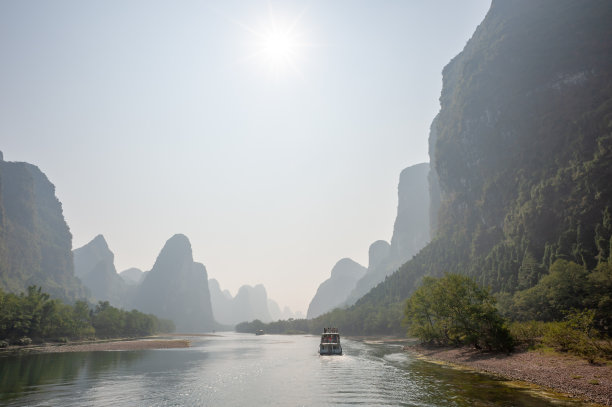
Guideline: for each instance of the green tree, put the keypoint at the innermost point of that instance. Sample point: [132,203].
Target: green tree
[563,288]
[454,310]
[108,321]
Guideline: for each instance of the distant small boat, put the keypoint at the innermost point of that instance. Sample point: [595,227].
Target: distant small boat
[330,342]
[259,332]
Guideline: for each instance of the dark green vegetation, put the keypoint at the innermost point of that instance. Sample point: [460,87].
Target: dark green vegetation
[34,316]
[522,153]
[35,242]
[574,334]
[454,310]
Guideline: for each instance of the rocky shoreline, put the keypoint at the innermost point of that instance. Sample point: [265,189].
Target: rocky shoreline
[115,345]
[566,374]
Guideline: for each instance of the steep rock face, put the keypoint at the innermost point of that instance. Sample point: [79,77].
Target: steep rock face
[435,194]
[379,265]
[335,290]
[177,288]
[522,148]
[94,264]
[523,139]
[378,254]
[221,302]
[411,228]
[251,303]
[132,276]
[35,242]
[410,231]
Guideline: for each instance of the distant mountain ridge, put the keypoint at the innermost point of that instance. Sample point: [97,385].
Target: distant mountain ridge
[177,288]
[410,231]
[333,291]
[132,275]
[250,303]
[36,249]
[94,264]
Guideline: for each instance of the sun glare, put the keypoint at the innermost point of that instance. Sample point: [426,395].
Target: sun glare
[278,44]
[279,50]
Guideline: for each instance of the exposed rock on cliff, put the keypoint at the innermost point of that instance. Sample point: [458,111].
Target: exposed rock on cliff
[410,231]
[94,264]
[522,148]
[334,291]
[177,288]
[35,242]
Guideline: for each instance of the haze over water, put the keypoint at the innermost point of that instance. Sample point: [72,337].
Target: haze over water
[242,369]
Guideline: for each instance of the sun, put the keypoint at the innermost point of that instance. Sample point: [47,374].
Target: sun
[279,49]
[279,46]
[278,43]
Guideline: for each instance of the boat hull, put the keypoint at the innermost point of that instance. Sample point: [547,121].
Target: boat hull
[325,350]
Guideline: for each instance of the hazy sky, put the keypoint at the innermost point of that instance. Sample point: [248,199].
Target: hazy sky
[272,134]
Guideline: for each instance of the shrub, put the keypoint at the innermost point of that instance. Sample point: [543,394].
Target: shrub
[24,340]
[455,310]
[529,333]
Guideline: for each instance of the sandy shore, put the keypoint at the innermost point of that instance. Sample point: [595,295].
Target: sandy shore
[564,374]
[136,344]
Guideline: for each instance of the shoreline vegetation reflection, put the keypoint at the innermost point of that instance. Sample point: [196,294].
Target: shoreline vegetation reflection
[233,367]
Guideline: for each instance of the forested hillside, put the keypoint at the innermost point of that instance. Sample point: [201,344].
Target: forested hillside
[522,152]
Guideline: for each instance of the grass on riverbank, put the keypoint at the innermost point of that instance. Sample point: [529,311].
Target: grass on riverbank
[575,335]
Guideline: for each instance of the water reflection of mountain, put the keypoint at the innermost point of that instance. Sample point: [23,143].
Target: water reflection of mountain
[24,374]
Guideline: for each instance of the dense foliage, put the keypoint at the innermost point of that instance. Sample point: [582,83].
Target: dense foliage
[567,286]
[454,310]
[575,334]
[35,316]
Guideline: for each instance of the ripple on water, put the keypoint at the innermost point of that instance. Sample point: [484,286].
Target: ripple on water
[236,370]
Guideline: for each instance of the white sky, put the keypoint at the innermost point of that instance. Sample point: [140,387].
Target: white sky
[161,117]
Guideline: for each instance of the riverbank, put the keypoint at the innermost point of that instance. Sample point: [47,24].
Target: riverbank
[562,373]
[108,345]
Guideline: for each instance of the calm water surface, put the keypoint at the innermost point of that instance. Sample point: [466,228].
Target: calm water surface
[239,369]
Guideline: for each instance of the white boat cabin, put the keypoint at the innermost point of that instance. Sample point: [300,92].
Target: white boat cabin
[330,342]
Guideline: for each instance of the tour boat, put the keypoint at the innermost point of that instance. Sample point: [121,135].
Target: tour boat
[330,342]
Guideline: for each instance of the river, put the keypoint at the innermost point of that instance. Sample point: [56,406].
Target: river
[247,370]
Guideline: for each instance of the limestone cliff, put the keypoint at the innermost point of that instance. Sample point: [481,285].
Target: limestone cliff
[177,288]
[94,264]
[410,231]
[35,241]
[522,148]
[334,291]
